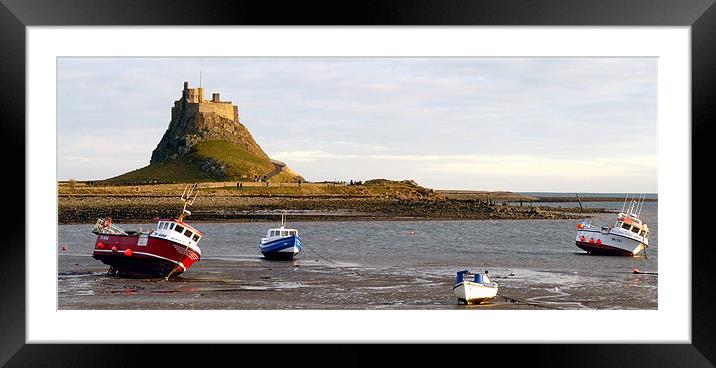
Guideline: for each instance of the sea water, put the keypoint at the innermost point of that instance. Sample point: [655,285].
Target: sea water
[527,254]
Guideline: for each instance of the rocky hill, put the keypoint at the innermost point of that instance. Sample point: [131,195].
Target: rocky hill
[205,145]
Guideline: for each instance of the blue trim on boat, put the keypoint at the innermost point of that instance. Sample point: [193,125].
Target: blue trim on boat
[280,244]
[460,275]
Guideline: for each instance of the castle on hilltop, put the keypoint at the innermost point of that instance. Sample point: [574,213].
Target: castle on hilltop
[192,101]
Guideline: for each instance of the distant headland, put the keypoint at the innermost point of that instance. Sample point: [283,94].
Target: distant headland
[206,143]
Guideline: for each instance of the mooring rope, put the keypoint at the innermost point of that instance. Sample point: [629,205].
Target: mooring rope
[311,249]
[517,301]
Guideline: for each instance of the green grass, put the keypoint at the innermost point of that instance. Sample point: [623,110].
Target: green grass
[242,165]
[242,162]
[379,188]
[171,171]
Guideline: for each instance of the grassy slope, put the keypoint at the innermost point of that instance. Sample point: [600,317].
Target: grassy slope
[171,171]
[241,161]
[382,189]
[243,165]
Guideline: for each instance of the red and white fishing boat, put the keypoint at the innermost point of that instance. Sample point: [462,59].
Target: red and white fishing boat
[166,251]
[627,237]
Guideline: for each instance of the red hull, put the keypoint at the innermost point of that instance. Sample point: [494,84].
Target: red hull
[602,249]
[159,257]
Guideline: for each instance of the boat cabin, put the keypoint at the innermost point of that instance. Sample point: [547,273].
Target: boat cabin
[479,278]
[281,232]
[632,224]
[177,231]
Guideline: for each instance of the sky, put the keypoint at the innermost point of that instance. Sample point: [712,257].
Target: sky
[517,124]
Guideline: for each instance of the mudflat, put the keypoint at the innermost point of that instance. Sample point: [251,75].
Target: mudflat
[255,283]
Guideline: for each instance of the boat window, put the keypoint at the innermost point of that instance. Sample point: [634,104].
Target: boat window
[292,232]
[195,238]
[188,233]
[273,233]
[635,230]
[179,228]
[171,225]
[160,226]
[284,233]
[626,226]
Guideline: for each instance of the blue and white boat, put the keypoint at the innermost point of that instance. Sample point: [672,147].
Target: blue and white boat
[473,288]
[280,243]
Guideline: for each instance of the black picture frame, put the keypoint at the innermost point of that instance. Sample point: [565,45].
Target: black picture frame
[16,15]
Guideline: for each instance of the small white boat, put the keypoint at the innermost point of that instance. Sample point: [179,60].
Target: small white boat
[627,237]
[280,243]
[473,288]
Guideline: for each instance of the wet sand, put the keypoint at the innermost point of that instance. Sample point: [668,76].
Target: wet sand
[255,283]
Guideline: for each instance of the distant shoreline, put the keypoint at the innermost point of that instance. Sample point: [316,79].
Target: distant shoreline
[380,200]
[585,199]
[86,210]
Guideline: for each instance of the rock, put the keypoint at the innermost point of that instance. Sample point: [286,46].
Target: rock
[229,150]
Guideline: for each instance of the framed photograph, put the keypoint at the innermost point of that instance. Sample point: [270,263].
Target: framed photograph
[402,150]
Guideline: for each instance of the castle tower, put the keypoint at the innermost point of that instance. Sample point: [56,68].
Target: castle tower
[193,102]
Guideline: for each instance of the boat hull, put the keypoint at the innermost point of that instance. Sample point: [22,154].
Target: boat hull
[285,248]
[599,243]
[468,292]
[143,255]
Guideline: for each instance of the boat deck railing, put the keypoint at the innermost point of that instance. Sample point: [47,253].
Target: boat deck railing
[112,229]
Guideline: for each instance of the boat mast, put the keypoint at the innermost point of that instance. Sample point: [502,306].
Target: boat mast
[632,206]
[641,205]
[187,198]
[625,201]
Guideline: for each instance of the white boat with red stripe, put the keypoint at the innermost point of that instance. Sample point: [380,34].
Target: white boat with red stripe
[628,237]
[166,251]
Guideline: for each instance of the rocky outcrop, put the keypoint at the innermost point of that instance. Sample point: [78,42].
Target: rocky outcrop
[202,143]
[187,130]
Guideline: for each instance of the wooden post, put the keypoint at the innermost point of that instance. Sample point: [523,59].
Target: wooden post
[580,203]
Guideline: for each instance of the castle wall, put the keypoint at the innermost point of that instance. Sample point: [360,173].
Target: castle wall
[196,103]
[225,109]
